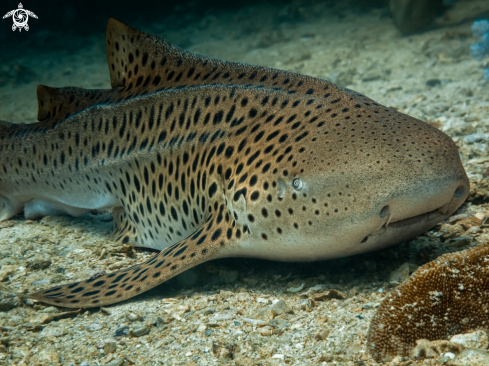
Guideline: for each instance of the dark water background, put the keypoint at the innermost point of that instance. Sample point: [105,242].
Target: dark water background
[67,25]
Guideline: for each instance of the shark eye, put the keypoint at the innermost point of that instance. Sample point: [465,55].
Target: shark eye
[297,183]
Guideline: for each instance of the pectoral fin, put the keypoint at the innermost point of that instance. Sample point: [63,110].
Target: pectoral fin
[212,240]
[124,233]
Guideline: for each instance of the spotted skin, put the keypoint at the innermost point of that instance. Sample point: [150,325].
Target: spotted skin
[205,159]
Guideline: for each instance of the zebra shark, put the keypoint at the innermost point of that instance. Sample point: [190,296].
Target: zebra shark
[202,159]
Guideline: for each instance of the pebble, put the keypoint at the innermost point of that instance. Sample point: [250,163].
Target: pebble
[40,319]
[37,264]
[122,331]
[322,335]
[279,307]
[402,273]
[139,331]
[450,355]
[295,289]
[134,317]
[477,339]
[471,357]
[6,271]
[255,321]
[280,323]
[433,82]
[265,331]
[8,301]
[115,362]
[225,315]
[49,310]
[54,332]
[306,304]
[38,283]
[109,346]
[94,327]
[475,137]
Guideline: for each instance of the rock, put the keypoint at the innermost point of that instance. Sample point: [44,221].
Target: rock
[225,315]
[6,271]
[242,360]
[295,289]
[402,273]
[471,357]
[280,324]
[331,294]
[115,362]
[122,331]
[322,335]
[306,304]
[477,340]
[40,319]
[49,310]
[94,327]
[450,231]
[134,317]
[38,263]
[86,363]
[109,346]
[265,331]
[139,331]
[475,137]
[8,301]
[433,82]
[56,331]
[433,349]
[38,283]
[226,294]
[279,307]
[47,356]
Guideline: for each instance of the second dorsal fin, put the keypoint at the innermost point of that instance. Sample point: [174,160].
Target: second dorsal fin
[142,63]
[55,104]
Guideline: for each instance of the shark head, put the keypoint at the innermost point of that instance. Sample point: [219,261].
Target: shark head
[367,178]
[386,178]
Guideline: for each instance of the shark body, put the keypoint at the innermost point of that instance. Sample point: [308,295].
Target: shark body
[204,159]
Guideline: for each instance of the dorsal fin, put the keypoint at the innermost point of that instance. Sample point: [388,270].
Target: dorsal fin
[143,63]
[55,104]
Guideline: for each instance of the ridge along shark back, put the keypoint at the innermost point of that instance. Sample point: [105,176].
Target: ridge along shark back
[204,159]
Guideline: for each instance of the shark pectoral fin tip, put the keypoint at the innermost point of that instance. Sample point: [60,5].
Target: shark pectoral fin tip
[197,248]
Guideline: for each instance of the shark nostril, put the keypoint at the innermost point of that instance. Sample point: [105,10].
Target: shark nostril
[384,212]
[460,191]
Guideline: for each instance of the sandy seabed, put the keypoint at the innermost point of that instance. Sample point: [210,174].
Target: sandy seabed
[220,312]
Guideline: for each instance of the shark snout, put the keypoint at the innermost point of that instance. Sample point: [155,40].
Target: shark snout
[442,196]
[406,216]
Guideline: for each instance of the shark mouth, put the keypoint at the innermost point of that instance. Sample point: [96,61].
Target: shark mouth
[426,216]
